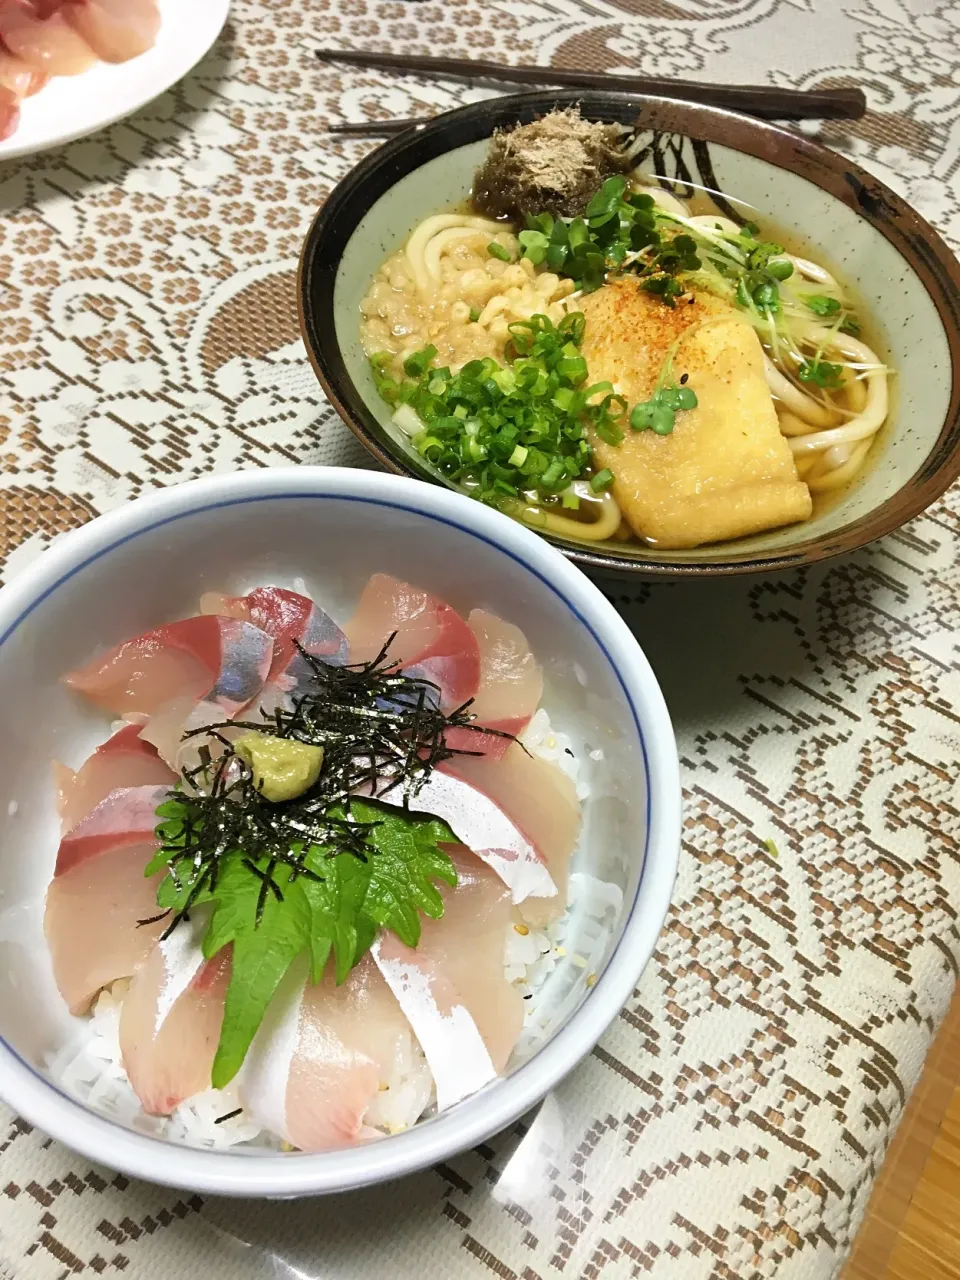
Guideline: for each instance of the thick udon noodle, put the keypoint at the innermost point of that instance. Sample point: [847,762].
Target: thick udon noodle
[444,288]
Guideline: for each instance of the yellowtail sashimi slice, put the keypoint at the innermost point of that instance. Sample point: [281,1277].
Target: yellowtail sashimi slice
[116,30]
[221,660]
[9,112]
[171,1018]
[99,895]
[430,641]
[124,760]
[291,619]
[478,821]
[47,44]
[511,685]
[322,1056]
[452,985]
[15,75]
[541,800]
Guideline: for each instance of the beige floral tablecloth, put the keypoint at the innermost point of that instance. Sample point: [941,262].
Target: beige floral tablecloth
[731,1123]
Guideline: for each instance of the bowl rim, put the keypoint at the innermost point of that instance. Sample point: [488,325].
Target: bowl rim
[922,247]
[247,1173]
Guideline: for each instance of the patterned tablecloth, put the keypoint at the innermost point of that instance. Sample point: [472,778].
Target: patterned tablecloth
[731,1122]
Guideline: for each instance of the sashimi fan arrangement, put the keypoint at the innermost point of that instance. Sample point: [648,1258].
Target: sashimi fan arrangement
[304,885]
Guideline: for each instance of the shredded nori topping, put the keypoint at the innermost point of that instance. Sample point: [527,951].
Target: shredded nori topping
[380,730]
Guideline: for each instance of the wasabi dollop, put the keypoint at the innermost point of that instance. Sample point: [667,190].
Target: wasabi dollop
[283,768]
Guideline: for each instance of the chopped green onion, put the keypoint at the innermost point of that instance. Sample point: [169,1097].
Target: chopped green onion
[520,428]
[416,364]
[474,314]
[573,368]
[497,250]
[602,480]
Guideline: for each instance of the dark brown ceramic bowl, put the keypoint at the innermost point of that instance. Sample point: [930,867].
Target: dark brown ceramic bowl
[905,275]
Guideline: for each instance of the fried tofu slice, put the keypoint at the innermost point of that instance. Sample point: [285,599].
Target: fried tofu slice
[725,470]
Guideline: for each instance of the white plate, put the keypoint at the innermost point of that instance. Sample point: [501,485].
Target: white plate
[72,106]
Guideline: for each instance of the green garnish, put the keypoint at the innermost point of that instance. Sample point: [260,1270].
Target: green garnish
[515,430]
[821,305]
[617,229]
[497,250]
[766,295]
[623,231]
[474,314]
[771,848]
[821,373]
[415,365]
[333,905]
[659,413]
[602,480]
[320,873]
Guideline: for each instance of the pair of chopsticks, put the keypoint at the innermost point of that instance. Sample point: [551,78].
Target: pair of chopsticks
[767,102]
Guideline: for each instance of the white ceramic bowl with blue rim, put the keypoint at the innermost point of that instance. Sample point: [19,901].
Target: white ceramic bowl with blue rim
[149,562]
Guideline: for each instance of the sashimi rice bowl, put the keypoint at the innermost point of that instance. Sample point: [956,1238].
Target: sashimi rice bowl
[340,820]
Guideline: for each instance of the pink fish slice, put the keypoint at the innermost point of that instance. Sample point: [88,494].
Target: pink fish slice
[116,30]
[221,660]
[541,800]
[480,823]
[171,1018]
[431,640]
[124,760]
[50,44]
[291,619]
[15,75]
[9,112]
[452,987]
[322,1056]
[99,893]
[511,686]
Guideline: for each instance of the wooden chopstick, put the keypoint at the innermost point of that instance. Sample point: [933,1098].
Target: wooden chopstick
[372,128]
[768,102]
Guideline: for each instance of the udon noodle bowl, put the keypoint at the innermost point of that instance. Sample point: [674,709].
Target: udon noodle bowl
[626,366]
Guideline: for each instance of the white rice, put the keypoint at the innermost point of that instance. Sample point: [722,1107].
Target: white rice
[90,1067]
